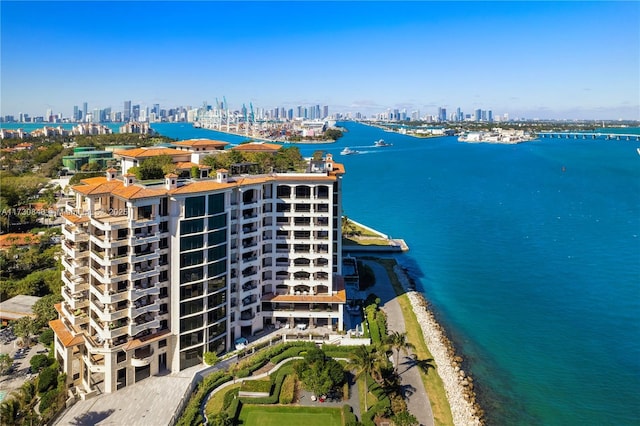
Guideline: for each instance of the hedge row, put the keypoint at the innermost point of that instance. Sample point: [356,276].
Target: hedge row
[275,355]
[275,395]
[348,416]
[288,390]
[336,351]
[191,415]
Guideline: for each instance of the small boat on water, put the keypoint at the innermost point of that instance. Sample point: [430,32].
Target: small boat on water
[381,143]
[638,149]
[347,151]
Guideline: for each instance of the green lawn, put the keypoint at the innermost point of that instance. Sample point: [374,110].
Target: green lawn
[262,415]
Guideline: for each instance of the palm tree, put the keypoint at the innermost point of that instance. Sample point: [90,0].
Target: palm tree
[399,342]
[363,362]
[9,411]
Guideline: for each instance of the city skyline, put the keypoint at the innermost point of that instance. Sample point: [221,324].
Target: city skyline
[547,60]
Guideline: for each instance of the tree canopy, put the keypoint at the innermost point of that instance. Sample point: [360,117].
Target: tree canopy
[318,372]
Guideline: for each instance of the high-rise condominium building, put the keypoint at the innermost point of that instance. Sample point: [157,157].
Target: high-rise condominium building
[126,113]
[158,272]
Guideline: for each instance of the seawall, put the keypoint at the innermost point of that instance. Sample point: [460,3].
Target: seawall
[458,384]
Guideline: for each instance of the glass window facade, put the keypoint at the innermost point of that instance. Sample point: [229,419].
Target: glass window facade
[194,206]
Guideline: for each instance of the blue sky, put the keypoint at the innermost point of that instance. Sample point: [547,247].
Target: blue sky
[535,60]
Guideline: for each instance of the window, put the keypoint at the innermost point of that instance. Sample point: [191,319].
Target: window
[216,284]
[191,258]
[191,339]
[191,307]
[218,252]
[217,268]
[217,237]
[162,343]
[216,299]
[191,274]
[216,314]
[192,242]
[216,203]
[191,357]
[191,226]
[216,222]
[191,291]
[194,206]
[145,212]
[191,323]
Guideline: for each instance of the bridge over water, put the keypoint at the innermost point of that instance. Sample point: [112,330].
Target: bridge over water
[590,135]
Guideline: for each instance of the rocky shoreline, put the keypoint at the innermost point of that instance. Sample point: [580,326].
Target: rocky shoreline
[458,384]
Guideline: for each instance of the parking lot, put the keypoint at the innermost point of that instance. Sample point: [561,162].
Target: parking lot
[20,371]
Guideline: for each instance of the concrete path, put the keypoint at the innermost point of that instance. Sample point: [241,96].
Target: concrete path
[417,399]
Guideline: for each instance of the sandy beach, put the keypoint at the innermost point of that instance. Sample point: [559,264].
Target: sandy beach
[458,385]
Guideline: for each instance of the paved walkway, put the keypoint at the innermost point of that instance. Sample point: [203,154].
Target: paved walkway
[416,395]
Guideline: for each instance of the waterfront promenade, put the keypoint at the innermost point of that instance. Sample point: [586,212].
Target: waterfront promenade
[415,394]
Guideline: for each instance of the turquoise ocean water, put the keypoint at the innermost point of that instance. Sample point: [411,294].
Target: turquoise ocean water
[529,254]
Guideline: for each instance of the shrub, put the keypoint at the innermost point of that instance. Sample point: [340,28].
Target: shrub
[40,361]
[191,414]
[210,358]
[288,389]
[228,398]
[47,379]
[46,337]
[348,416]
[48,399]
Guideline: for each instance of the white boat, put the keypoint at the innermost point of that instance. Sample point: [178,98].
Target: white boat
[638,149]
[347,151]
[381,143]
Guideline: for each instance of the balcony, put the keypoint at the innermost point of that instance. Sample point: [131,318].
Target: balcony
[75,284]
[95,363]
[107,296]
[74,234]
[139,309]
[114,329]
[142,358]
[135,328]
[145,256]
[145,221]
[249,300]
[144,272]
[77,317]
[75,251]
[100,257]
[144,238]
[138,292]
[75,301]
[109,313]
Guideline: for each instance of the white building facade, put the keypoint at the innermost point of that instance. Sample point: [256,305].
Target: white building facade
[157,274]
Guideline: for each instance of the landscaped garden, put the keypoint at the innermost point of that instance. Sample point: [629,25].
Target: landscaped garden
[246,395]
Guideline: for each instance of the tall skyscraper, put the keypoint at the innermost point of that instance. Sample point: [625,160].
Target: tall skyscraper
[76,111]
[126,113]
[325,111]
[135,113]
[442,114]
[85,111]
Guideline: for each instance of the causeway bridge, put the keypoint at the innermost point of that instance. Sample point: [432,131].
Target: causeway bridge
[589,135]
